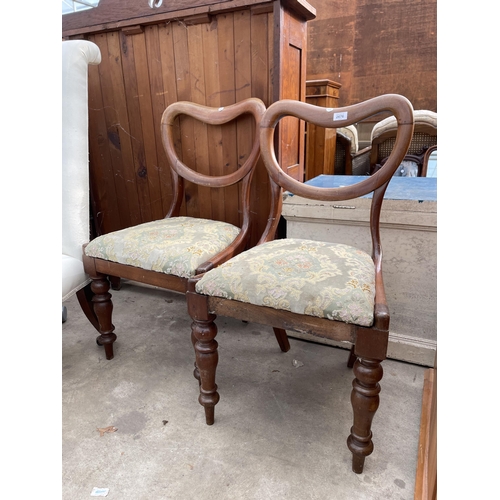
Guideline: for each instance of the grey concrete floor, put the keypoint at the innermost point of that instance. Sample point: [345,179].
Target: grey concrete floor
[280,430]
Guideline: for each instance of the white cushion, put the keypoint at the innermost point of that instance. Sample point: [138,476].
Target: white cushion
[73,276]
[76,56]
[420,116]
[351,133]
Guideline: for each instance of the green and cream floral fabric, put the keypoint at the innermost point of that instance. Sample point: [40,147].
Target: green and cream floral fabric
[173,246]
[327,280]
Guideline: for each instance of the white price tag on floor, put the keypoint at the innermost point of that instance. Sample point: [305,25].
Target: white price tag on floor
[99,492]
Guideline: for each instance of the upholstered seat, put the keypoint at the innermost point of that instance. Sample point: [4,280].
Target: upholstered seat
[175,246]
[326,280]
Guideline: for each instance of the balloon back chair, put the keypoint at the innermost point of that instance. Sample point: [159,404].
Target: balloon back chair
[166,252]
[330,290]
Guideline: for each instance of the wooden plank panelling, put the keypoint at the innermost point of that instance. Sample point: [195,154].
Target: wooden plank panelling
[118,133]
[261,67]
[133,97]
[214,57]
[243,84]
[102,186]
[153,48]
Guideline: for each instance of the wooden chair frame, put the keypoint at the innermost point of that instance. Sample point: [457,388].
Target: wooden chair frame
[369,344]
[97,302]
[425,162]
[421,160]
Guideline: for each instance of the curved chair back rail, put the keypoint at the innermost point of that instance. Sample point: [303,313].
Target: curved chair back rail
[396,104]
[212,116]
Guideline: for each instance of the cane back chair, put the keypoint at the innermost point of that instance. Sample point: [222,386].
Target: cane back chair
[166,252]
[424,137]
[331,290]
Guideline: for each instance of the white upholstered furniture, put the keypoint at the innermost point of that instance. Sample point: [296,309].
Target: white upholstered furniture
[76,56]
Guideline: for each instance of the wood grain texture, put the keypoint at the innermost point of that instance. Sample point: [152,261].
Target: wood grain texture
[214,57]
[320,141]
[375,48]
[426,476]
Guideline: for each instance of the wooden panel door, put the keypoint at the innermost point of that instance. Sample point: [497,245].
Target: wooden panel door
[292,85]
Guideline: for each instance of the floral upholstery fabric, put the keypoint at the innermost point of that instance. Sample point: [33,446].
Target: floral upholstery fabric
[327,280]
[173,246]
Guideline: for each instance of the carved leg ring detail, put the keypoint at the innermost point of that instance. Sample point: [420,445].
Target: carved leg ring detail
[365,401]
[196,372]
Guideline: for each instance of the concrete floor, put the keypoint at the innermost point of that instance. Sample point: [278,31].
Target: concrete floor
[280,430]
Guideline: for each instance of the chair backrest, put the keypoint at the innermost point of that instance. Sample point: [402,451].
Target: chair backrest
[351,133]
[340,117]
[346,145]
[384,133]
[76,56]
[208,167]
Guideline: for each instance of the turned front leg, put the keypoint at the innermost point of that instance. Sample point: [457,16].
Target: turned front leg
[103,308]
[206,362]
[196,372]
[365,401]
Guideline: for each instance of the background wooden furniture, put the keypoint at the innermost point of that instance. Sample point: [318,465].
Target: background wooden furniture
[426,476]
[208,52]
[331,151]
[287,283]
[320,141]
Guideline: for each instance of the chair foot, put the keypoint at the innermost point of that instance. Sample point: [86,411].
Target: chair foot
[282,339]
[107,342]
[116,283]
[365,402]
[209,415]
[358,463]
[64,314]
